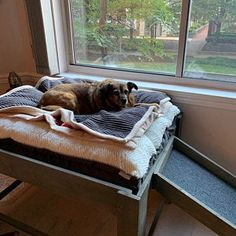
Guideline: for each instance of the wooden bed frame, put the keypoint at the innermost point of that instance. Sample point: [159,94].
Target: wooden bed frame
[129,208]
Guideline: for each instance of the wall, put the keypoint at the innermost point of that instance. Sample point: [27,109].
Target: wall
[15,46]
[209,126]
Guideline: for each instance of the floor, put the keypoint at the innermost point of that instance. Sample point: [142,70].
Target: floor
[59,216]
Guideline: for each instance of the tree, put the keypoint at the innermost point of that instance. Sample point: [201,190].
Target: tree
[111,24]
[217,11]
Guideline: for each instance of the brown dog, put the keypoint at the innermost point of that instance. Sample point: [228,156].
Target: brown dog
[88,98]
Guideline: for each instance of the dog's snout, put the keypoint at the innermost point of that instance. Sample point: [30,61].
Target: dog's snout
[123,100]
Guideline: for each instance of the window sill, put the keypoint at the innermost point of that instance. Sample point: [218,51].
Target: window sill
[154,78]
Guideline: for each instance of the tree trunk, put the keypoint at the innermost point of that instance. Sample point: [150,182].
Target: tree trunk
[152,31]
[131,30]
[103,12]
[220,19]
[218,27]
[83,39]
[102,22]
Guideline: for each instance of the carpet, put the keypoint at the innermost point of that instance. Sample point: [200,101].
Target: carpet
[202,184]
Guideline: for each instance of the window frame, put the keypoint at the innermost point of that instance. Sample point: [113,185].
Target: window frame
[66,59]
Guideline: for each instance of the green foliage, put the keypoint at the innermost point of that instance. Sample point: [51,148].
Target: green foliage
[119,25]
[219,11]
[107,37]
[150,48]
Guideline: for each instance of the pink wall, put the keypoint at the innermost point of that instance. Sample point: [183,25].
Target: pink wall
[15,43]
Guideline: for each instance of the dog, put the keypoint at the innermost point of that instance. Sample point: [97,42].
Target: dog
[89,97]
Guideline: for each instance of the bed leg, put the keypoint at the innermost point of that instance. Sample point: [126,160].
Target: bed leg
[132,213]
[9,189]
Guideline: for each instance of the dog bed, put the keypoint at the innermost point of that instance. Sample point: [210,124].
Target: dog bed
[115,146]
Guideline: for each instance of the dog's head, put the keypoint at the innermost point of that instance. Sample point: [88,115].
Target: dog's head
[117,95]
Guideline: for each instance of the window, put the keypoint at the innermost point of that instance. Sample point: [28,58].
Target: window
[192,39]
[136,35]
[211,44]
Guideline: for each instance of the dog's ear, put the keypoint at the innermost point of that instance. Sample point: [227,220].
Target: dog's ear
[106,88]
[131,85]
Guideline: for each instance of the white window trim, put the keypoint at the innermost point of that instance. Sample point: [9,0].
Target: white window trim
[182,37]
[63,43]
[50,36]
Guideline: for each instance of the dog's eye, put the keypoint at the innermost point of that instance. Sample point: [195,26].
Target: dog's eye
[126,91]
[116,92]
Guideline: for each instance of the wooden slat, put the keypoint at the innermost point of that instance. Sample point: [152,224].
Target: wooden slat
[164,156]
[157,215]
[57,179]
[132,215]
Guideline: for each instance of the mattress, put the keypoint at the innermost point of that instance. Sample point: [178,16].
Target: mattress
[80,143]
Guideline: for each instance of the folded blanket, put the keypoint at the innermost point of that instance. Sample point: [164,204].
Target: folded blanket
[79,144]
[127,146]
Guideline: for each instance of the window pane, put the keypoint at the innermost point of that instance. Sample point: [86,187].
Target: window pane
[129,34]
[211,46]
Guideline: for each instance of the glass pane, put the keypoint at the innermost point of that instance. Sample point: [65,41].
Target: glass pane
[211,45]
[129,34]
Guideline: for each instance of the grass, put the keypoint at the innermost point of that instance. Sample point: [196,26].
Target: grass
[217,61]
[169,68]
[224,70]
[217,65]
